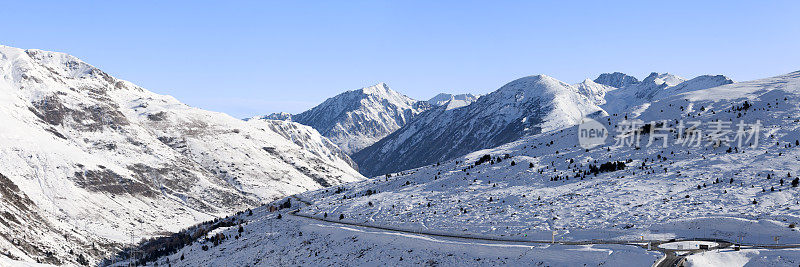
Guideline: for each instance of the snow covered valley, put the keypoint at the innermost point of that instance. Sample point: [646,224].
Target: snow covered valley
[98,171]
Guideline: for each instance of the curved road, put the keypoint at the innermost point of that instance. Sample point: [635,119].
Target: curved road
[671,257]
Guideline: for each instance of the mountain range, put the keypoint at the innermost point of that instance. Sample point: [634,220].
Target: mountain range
[615,205]
[523,107]
[91,164]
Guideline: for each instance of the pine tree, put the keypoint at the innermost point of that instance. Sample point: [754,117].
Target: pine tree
[82,260]
[795,182]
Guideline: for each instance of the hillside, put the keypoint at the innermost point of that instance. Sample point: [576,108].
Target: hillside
[546,182]
[358,118]
[453,101]
[89,162]
[526,106]
[503,205]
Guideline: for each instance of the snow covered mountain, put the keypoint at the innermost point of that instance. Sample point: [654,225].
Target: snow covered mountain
[634,97]
[309,139]
[452,101]
[281,116]
[89,162]
[358,118]
[442,134]
[596,92]
[616,79]
[545,182]
[522,107]
[544,186]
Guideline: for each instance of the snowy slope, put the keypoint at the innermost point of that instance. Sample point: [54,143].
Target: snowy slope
[731,192]
[616,79]
[309,139]
[358,118]
[452,101]
[634,97]
[537,188]
[594,91]
[267,240]
[522,107]
[89,162]
[281,116]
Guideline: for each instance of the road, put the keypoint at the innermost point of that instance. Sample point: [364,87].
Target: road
[671,258]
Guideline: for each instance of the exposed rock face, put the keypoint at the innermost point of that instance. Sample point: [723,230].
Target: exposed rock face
[453,101]
[522,107]
[90,159]
[616,79]
[358,118]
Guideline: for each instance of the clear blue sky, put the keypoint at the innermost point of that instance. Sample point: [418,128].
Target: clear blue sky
[248,58]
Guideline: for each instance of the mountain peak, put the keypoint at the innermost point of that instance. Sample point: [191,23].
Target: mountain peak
[377,89]
[452,101]
[281,116]
[616,79]
[355,119]
[593,91]
[534,85]
[663,78]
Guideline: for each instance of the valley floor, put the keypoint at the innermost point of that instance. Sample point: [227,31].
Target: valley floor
[293,240]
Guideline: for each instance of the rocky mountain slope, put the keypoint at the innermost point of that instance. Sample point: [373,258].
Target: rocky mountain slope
[494,120]
[89,162]
[632,97]
[453,101]
[616,79]
[545,186]
[526,106]
[721,188]
[358,118]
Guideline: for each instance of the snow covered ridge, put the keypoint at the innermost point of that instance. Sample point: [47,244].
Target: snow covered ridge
[633,97]
[616,79]
[355,119]
[281,116]
[526,106]
[545,182]
[89,162]
[453,101]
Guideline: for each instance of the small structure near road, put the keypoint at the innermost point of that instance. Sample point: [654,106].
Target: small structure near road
[689,245]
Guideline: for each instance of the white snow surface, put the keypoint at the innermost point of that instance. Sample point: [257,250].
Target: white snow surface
[452,101]
[745,257]
[297,241]
[525,106]
[88,161]
[535,189]
[358,118]
[655,196]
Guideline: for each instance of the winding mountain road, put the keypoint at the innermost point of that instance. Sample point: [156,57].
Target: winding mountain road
[672,257]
